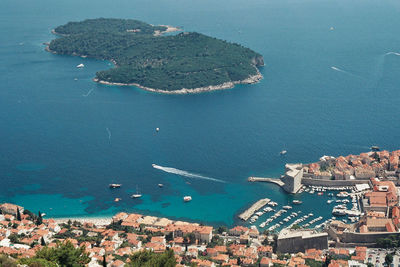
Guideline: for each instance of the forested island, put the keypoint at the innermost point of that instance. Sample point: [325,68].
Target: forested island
[181,63]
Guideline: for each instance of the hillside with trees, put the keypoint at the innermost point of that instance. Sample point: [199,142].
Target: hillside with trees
[187,60]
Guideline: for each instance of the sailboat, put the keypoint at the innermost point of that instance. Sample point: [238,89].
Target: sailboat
[137,195]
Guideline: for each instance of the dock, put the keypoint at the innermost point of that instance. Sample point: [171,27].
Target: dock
[268,180]
[256,206]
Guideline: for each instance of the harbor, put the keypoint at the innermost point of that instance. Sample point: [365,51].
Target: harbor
[338,204]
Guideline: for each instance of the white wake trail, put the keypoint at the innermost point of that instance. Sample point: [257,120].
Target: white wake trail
[186,174]
[88,93]
[345,72]
[392,53]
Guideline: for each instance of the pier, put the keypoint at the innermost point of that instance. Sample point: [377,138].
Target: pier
[268,180]
[256,206]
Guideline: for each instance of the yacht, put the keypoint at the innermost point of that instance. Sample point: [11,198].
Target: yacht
[297,202]
[137,195]
[187,198]
[283,152]
[339,212]
[287,207]
[160,185]
[80,66]
[329,201]
[342,194]
[117,199]
[112,186]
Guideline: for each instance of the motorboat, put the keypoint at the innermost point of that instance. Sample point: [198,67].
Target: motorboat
[80,66]
[187,198]
[137,195]
[113,186]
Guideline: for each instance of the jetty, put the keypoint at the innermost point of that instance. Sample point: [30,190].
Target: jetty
[256,206]
[268,180]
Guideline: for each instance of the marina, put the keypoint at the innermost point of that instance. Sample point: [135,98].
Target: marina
[256,206]
[343,204]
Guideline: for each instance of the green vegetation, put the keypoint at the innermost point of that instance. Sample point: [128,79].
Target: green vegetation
[392,241]
[150,259]
[314,263]
[388,259]
[6,261]
[65,254]
[186,60]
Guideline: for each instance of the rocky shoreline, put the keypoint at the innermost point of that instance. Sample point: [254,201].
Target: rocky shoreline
[252,79]
[227,85]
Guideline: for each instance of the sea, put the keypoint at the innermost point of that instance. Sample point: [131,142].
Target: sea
[331,87]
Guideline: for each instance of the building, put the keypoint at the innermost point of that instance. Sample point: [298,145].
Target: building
[8,208]
[293,241]
[292,177]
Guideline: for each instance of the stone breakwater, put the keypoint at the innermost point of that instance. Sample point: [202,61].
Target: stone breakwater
[228,85]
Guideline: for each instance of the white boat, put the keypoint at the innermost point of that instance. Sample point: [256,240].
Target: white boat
[80,66]
[157,129]
[329,201]
[297,202]
[283,152]
[137,195]
[160,185]
[339,212]
[187,198]
[114,186]
[287,207]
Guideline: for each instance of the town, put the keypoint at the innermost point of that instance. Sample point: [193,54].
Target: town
[370,237]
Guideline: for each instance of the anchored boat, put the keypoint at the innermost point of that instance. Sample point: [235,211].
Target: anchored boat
[187,198]
[137,195]
[112,186]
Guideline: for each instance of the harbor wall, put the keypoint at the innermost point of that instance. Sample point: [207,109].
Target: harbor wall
[299,244]
[351,237]
[331,183]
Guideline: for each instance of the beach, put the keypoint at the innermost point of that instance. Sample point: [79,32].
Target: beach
[98,221]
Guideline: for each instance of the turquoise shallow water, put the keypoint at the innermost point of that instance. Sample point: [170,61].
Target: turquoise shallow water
[56,152]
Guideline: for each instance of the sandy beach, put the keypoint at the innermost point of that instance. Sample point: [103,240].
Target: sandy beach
[98,221]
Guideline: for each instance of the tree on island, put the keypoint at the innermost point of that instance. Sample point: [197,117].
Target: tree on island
[39,220]
[18,215]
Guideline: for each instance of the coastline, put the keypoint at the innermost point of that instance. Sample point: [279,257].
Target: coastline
[252,79]
[227,85]
[168,30]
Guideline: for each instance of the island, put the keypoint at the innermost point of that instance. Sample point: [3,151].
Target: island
[146,57]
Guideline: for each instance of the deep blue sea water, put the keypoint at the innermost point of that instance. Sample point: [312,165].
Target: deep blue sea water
[58,157]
